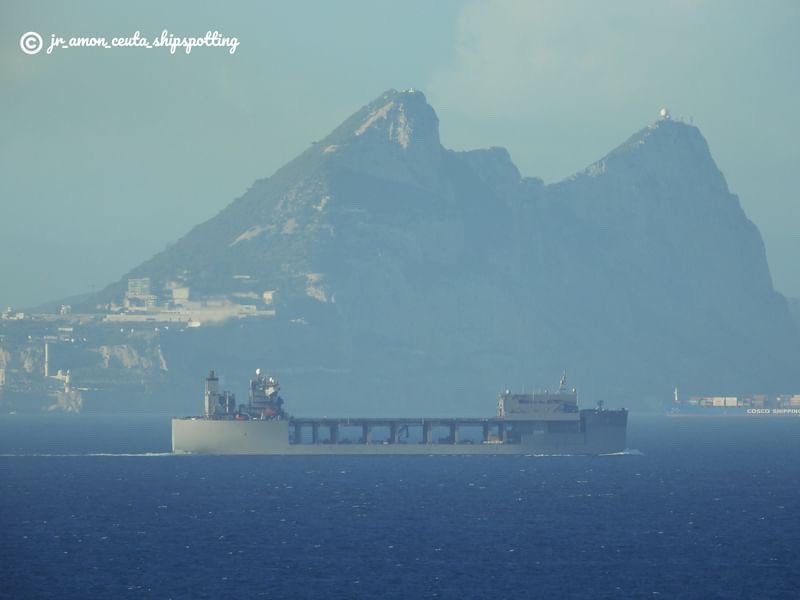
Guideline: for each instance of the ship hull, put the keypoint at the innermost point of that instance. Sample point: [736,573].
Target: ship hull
[594,432]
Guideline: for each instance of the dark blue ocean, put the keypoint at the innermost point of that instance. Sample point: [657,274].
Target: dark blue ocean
[94,507]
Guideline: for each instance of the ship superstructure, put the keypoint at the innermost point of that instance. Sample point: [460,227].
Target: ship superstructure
[525,423]
[264,401]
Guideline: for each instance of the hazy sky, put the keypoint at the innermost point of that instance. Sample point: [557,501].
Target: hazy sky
[108,155]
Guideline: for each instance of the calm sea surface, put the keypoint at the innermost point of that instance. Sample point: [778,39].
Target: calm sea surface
[97,508]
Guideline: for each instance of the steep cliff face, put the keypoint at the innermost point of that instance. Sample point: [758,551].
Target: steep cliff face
[128,356]
[423,279]
[680,286]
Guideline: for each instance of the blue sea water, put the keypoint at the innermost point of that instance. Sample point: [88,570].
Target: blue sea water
[97,508]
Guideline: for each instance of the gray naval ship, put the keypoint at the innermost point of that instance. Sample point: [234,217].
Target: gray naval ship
[538,423]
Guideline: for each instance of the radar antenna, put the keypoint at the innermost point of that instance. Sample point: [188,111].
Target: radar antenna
[562,386]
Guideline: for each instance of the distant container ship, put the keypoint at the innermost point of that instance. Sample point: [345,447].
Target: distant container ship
[759,405]
[537,423]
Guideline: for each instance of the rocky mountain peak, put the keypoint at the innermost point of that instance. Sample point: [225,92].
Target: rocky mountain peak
[403,118]
[665,134]
[394,137]
[665,150]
